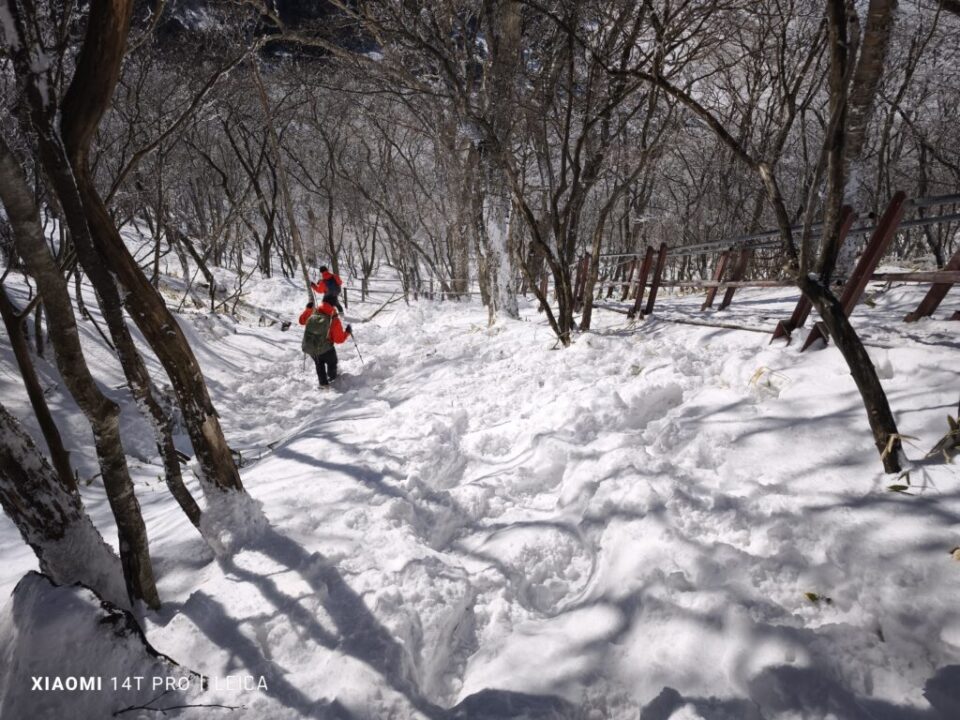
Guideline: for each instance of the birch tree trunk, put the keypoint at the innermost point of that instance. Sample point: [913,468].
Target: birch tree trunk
[504,23]
[867,76]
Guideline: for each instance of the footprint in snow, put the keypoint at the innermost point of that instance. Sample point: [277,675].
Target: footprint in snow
[549,564]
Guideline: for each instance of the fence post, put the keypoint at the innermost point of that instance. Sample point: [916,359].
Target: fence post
[802,310]
[627,279]
[657,275]
[935,295]
[874,251]
[717,276]
[739,270]
[641,283]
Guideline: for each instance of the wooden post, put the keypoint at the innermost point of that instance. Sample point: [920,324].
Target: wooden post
[641,284]
[875,250]
[657,276]
[628,277]
[717,277]
[935,295]
[803,308]
[636,287]
[739,270]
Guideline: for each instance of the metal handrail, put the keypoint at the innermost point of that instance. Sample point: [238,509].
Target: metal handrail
[771,238]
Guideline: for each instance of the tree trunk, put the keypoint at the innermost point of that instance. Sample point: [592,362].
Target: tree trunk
[58,171]
[102,413]
[868,73]
[882,423]
[38,329]
[98,67]
[504,24]
[51,518]
[131,361]
[282,180]
[21,350]
[182,241]
[498,235]
[593,273]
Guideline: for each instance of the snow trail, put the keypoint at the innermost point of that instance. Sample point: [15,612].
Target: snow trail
[475,520]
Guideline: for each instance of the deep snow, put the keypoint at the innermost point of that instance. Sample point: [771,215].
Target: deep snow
[628,527]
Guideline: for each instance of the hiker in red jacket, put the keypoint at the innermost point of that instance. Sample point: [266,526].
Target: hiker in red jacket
[329,285]
[322,333]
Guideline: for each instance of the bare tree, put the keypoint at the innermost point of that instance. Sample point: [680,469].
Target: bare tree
[815,287]
[102,413]
[86,100]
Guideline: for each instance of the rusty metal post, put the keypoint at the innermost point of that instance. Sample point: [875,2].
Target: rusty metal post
[935,295]
[657,276]
[641,283]
[717,277]
[872,254]
[803,308]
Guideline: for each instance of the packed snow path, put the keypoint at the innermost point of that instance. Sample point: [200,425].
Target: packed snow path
[635,522]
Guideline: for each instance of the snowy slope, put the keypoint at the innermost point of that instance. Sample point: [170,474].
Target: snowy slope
[477,519]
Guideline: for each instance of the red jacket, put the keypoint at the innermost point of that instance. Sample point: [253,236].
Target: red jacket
[337,333]
[321,285]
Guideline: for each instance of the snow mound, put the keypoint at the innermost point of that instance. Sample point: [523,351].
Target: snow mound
[65,648]
[231,520]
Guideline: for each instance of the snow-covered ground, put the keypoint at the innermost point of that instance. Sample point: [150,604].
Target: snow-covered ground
[663,521]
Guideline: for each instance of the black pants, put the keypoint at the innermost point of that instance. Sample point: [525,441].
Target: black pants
[326,366]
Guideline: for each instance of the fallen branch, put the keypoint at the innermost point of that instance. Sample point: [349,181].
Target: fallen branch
[164,710]
[389,301]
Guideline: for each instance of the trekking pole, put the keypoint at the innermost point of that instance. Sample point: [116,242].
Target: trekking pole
[357,347]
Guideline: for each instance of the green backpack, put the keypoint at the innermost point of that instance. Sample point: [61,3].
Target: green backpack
[316,336]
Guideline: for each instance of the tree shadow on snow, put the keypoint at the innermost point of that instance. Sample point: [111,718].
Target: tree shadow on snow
[210,618]
[504,705]
[775,691]
[357,633]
